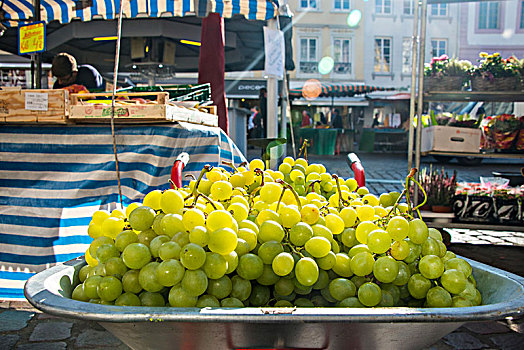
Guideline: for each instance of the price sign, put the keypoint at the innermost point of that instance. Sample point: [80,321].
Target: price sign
[31,38]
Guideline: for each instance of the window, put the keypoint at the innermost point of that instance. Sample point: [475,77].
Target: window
[341,5]
[383,55]
[521,24]
[308,55]
[439,10]
[406,55]
[438,47]
[383,7]
[409,7]
[489,13]
[342,56]
[308,4]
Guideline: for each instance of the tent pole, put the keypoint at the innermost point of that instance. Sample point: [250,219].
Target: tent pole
[414,64]
[272,104]
[38,56]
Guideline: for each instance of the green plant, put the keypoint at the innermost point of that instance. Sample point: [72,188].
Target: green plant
[438,186]
[445,66]
[494,66]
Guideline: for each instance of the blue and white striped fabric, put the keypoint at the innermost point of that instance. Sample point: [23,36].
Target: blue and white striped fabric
[52,178]
[65,11]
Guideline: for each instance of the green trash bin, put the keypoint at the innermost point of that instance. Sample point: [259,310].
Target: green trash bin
[327,140]
[367,140]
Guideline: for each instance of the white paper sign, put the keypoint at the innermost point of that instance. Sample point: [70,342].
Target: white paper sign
[36,101]
[275,53]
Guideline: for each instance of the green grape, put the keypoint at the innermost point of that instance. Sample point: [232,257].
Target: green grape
[378,241]
[136,255]
[99,270]
[435,234]
[398,228]
[207,301]
[334,223]
[220,288]
[318,247]
[386,300]
[414,252]
[194,282]
[449,255]
[271,231]
[94,230]
[125,238]
[327,262]
[393,290]
[283,303]
[193,217]
[300,233]
[84,272]
[128,299]
[418,286]
[349,216]
[431,267]
[109,288]
[289,215]
[171,201]
[169,250]
[157,224]
[284,168]
[443,249]
[79,293]
[350,302]
[199,235]
[97,242]
[310,214]
[306,271]
[219,219]
[438,297]
[458,301]
[180,297]
[268,277]
[192,256]
[145,237]
[239,211]
[385,269]
[221,190]
[151,299]
[362,264]
[282,264]
[269,250]
[105,252]
[115,267]
[259,295]
[141,218]
[270,192]
[215,265]
[267,215]
[147,278]
[400,250]
[348,237]
[249,236]
[250,266]
[418,231]
[359,280]
[403,274]
[454,281]
[430,247]
[99,216]
[358,249]
[156,243]
[170,272]
[231,302]
[112,226]
[172,224]
[222,241]
[363,230]
[130,282]
[182,238]
[320,230]
[322,281]
[342,265]
[386,200]
[459,264]
[303,302]
[365,213]
[242,247]
[284,287]
[152,199]
[369,294]
[342,288]
[300,289]
[241,288]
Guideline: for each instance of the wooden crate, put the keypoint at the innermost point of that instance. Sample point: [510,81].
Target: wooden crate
[34,106]
[82,111]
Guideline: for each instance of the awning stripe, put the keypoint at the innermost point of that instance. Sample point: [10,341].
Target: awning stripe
[341,90]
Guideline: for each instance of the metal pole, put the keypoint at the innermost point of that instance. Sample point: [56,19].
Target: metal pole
[420,88]
[272,104]
[414,64]
[38,56]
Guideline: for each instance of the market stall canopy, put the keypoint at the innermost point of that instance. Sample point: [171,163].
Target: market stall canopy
[312,90]
[65,11]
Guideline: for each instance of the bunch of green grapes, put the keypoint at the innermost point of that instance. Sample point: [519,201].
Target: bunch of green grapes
[298,236]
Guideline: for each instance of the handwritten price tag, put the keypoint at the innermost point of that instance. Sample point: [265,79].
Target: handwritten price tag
[31,38]
[36,101]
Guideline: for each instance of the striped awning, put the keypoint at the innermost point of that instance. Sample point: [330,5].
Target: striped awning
[64,11]
[312,90]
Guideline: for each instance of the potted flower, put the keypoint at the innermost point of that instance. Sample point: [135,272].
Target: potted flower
[500,131]
[439,188]
[445,74]
[495,73]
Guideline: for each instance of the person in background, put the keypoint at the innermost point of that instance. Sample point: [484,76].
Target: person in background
[336,122]
[251,127]
[306,119]
[375,121]
[323,119]
[263,113]
[68,73]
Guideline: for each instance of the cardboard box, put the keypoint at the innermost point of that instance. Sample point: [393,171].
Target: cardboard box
[450,139]
[37,106]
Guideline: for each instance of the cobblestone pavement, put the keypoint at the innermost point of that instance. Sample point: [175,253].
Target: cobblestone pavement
[23,327]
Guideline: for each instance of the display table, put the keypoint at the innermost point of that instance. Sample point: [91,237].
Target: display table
[383,139]
[322,141]
[52,178]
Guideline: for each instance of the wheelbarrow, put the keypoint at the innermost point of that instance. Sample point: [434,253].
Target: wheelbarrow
[276,328]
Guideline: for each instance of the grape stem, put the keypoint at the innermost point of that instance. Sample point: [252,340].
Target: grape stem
[310,186]
[191,176]
[425,198]
[231,165]
[304,147]
[409,178]
[256,190]
[293,249]
[206,198]
[204,170]
[289,187]
[341,201]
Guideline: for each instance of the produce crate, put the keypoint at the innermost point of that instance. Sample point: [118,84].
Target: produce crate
[200,92]
[450,139]
[34,106]
[85,108]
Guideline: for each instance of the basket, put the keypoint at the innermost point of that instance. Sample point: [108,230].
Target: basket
[445,83]
[497,84]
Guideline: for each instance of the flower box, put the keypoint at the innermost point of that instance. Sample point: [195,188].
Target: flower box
[472,208]
[479,83]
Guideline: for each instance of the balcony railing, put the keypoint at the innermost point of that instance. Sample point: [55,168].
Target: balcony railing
[308,67]
[342,68]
